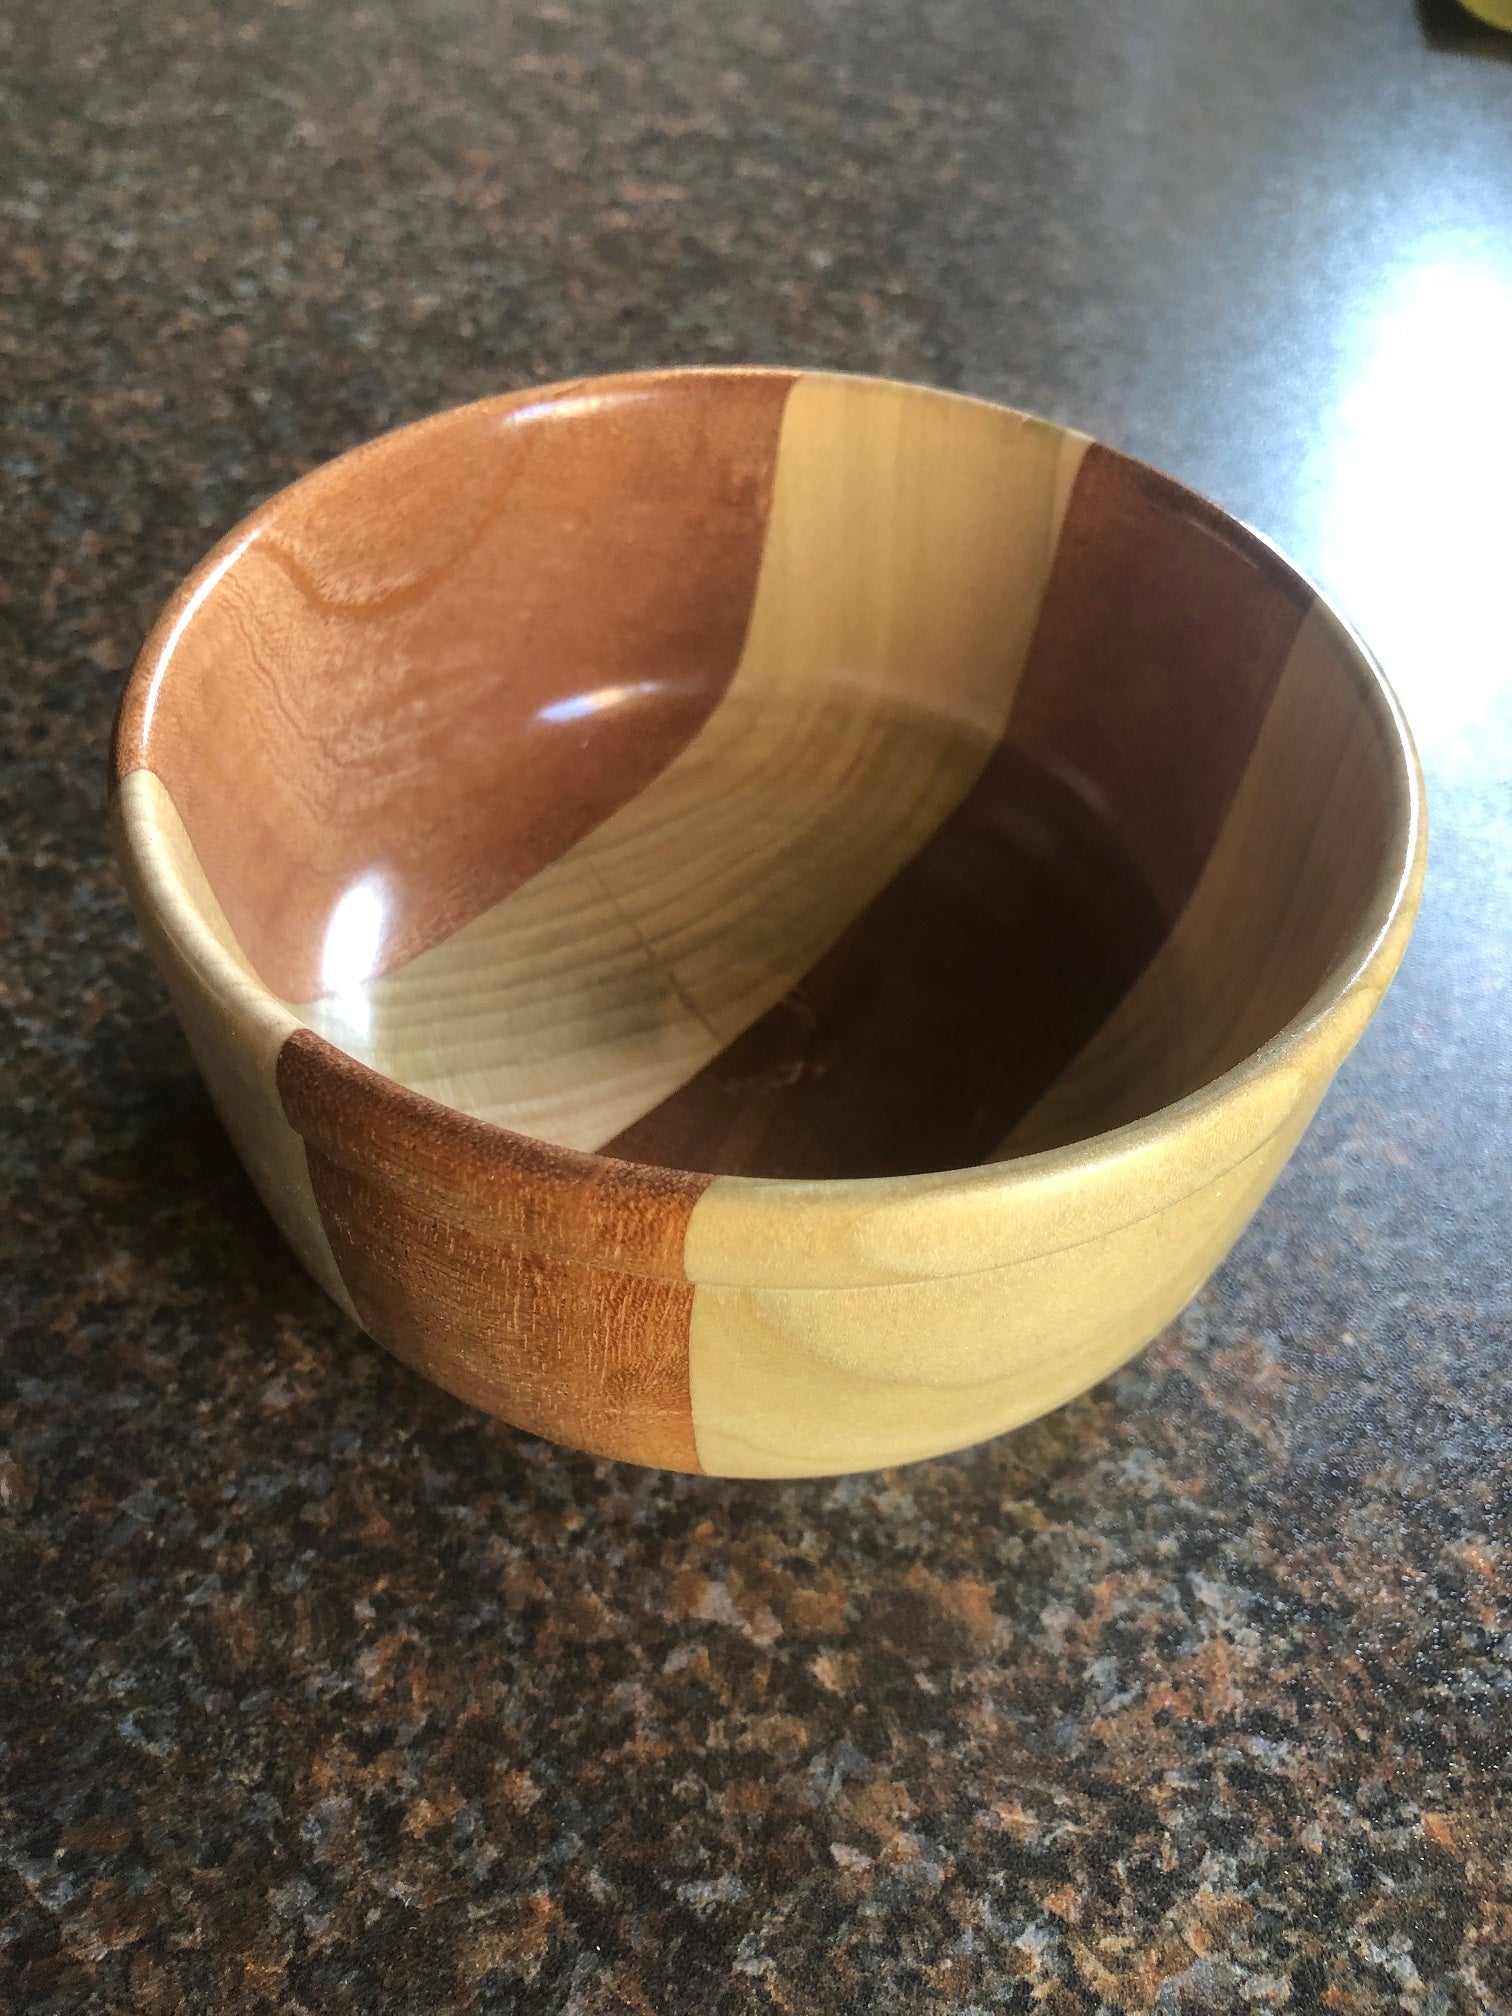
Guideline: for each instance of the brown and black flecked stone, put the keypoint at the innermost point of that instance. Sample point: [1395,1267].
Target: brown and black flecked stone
[319,1692]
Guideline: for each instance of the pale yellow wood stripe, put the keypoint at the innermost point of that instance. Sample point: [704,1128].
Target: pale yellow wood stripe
[1284,889]
[909,544]
[805,1382]
[234,1026]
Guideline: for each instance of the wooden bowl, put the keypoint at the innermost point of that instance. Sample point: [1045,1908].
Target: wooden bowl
[760,922]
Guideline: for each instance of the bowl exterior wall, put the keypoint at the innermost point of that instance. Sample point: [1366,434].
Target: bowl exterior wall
[811,1381]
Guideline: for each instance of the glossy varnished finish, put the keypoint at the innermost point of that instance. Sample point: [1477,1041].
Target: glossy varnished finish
[788,944]
[411,632]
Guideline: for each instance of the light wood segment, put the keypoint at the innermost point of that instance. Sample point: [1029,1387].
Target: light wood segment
[808,1381]
[235,1027]
[1288,882]
[909,541]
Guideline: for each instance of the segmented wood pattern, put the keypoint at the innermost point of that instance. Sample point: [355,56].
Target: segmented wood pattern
[908,546]
[943,863]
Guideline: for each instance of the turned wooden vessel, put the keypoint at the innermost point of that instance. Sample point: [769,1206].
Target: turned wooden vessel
[760,922]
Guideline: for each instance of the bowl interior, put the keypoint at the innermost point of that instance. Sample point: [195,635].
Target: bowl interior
[784,775]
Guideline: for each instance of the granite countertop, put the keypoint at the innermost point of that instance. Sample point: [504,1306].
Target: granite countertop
[322,1693]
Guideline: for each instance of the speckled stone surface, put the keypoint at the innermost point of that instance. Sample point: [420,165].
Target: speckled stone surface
[320,1693]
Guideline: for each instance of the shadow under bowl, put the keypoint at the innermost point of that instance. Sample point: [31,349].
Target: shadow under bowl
[761,922]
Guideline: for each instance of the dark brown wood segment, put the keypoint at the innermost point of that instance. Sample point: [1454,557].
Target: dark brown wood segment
[443,659]
[543,1285]
[943,1012]
[1164,629]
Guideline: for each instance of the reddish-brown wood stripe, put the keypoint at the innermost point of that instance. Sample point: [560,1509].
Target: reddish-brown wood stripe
[968,986]
[463,1246]
[396,681]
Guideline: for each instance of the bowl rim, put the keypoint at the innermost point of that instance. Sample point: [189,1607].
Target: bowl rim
[916,1213]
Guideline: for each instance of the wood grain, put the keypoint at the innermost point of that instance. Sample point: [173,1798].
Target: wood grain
[545,1286]
[806,1381]
[380,691]
[997,951]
